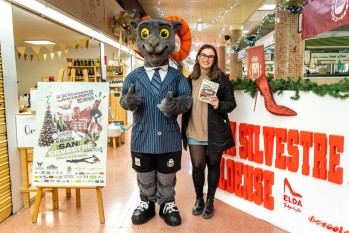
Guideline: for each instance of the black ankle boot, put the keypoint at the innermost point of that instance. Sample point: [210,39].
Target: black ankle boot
[143,213]
[208,211]
[198,207]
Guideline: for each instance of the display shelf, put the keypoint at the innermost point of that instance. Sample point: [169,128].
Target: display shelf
[116,76]
[76,73]
[115,85]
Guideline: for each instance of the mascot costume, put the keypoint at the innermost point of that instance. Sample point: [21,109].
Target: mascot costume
[156,94]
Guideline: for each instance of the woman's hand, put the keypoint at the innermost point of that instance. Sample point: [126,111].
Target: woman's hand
[214,102]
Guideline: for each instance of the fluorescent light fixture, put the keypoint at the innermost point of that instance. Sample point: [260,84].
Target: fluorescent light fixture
[60,18]
[267,7]
[39,42]
[199,26]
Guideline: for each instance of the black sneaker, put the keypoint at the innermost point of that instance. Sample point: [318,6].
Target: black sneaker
[143,213]
[170,214]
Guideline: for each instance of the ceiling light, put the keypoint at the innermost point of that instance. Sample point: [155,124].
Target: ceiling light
[199,26]
[39,42]
[267,7]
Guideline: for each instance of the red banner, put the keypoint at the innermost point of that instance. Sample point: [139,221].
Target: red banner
[323,15]
[255,62]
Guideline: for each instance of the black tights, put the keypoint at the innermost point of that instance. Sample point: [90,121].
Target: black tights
[199,159]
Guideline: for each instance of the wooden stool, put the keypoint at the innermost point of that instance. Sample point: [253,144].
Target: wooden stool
[118,139]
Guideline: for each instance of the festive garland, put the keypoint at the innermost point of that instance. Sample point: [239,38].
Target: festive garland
[121,27]
[266,25]
[337,90]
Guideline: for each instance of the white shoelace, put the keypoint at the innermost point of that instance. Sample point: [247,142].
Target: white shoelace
[143,205]
[170,207]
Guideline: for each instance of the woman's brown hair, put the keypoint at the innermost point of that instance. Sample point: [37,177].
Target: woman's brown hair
[214,72]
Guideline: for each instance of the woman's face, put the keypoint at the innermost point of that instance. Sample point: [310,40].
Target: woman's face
[206,58]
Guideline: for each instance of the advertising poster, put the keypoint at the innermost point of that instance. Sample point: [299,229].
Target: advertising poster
[71,134]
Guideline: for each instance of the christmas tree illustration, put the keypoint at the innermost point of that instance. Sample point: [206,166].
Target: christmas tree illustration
[48,128]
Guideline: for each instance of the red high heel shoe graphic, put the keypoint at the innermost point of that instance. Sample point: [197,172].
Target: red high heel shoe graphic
[287,184]
[270,105]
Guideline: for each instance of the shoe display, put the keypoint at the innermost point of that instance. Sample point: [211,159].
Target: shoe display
[143,213]
[170,214]
[198,207]
[270,105]
[208,211]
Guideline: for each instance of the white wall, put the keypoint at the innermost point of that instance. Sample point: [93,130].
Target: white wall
[10,89]
[322,205]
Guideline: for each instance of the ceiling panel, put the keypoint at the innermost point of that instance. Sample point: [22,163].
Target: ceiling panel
[29,26]
[228,12]
[327,43]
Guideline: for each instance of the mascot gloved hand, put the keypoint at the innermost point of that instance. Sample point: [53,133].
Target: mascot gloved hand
[171,106]
[132,100]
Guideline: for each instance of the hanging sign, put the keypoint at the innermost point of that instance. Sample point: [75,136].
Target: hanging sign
[255,62]
[71,137]
[323,15]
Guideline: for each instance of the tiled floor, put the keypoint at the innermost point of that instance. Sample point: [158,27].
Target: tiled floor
[120,197]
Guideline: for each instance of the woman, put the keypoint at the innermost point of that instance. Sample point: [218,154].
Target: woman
[206,128]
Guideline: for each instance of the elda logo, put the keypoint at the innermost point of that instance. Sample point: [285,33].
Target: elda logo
[339,9]
[292,199]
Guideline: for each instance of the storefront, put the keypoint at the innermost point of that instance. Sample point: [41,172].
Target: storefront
[23,65]
[334,64]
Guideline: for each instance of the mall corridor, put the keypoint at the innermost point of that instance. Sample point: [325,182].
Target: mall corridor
[120,197]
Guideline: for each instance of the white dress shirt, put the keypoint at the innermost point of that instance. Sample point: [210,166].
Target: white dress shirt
[151,70]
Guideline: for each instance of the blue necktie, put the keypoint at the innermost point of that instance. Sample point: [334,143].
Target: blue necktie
[156,82]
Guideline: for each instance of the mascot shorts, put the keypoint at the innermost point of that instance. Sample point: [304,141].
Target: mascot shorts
[163,163]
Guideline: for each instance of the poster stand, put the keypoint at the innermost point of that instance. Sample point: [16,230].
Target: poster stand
[41,189]
[70,138]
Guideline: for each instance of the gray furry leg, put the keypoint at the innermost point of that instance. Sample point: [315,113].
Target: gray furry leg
[165,187]
[147,185]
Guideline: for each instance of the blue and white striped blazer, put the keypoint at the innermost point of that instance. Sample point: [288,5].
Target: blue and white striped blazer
[152,131]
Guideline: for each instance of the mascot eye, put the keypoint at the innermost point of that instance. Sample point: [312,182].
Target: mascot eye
[145,33]
[164,33]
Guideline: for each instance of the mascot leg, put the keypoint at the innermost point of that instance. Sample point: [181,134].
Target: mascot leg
[147,188]
[165,197]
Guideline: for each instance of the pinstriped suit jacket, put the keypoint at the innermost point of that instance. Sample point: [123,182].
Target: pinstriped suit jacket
[152,131]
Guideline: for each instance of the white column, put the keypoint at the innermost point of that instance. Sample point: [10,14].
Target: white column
[11,99]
